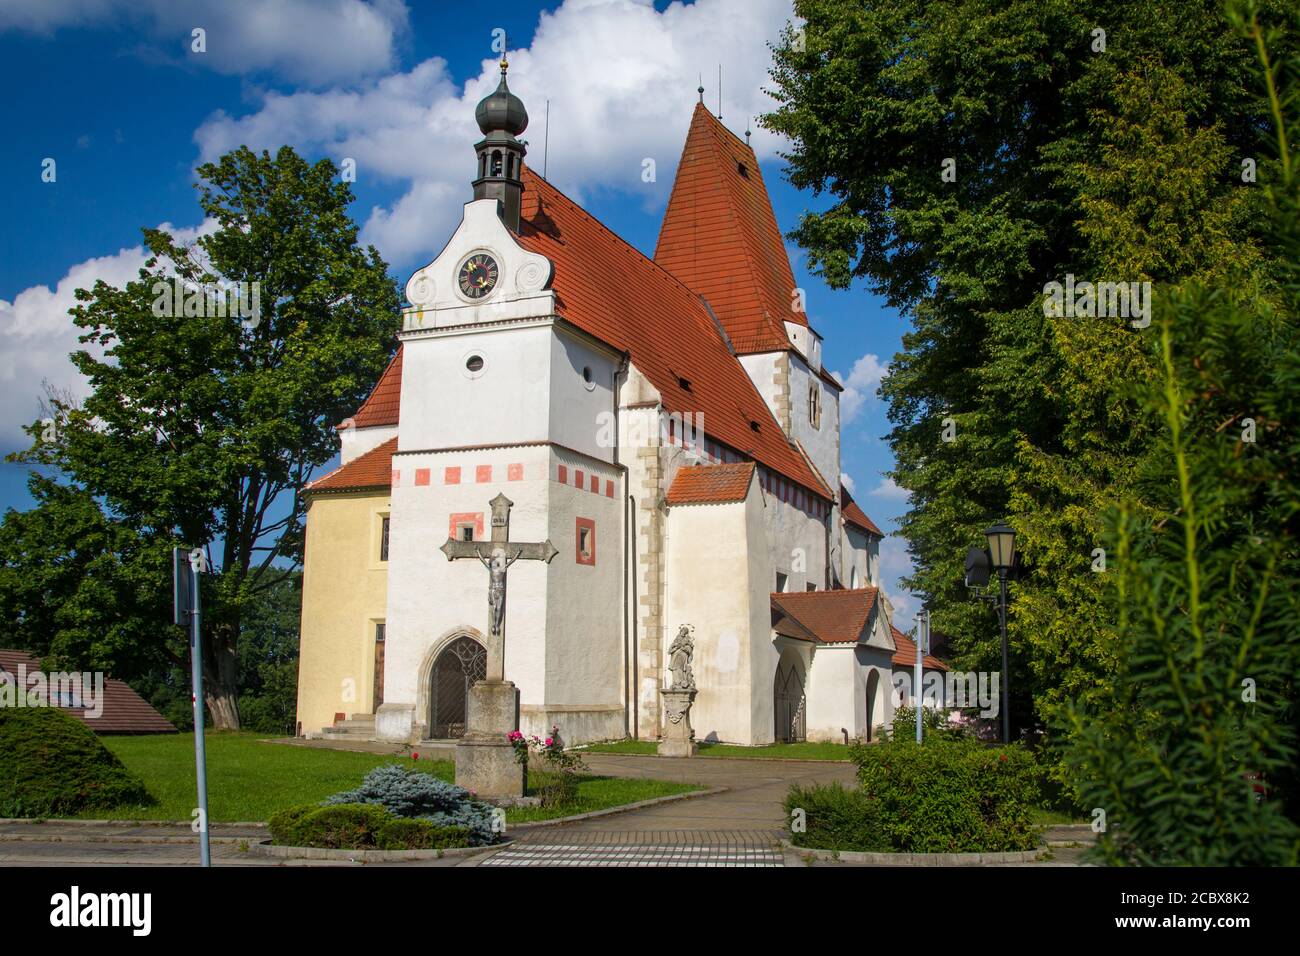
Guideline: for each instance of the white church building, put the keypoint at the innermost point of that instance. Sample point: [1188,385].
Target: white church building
[666,424]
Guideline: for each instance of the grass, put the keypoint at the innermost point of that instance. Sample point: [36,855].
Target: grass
[799,751]
[248,780]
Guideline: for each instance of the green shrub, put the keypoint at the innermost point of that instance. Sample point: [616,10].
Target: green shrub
[51,764]
[934,723]
[343,826]
[834,818]
[950,796]
[403,834]
[416,795]
[284,825]
[362,826]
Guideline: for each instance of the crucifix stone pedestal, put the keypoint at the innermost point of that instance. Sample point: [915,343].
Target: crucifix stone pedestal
[485,758]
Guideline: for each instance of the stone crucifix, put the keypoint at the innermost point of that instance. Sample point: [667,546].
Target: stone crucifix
[497,555]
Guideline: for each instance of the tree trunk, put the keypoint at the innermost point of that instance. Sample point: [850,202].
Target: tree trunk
[220,678]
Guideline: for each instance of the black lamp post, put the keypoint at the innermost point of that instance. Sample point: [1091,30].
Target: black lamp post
[1002,555]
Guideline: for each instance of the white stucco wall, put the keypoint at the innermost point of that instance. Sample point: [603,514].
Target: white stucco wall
[822,443]
[796,543]
[354,442]
[716,574]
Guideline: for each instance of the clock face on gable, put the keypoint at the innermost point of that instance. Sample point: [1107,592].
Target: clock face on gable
[478,275]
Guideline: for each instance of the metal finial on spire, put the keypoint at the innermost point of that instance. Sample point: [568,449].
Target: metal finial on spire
[700,89]
[746,132]
[505,46]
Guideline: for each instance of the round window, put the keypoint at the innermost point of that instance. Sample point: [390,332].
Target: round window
[588,378]
[474,363]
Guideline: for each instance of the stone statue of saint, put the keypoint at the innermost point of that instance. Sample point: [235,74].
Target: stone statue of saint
[679,659]
[496,566]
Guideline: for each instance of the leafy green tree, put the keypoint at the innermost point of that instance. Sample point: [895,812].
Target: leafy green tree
[1043,128]
[1190,753]
[202,427]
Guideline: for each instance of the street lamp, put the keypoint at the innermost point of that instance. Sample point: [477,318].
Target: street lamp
[1002,554]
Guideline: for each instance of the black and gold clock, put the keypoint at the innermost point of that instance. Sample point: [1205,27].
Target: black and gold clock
[478,275]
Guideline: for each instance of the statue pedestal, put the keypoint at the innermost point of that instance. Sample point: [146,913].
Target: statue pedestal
[679,737]
[485,758]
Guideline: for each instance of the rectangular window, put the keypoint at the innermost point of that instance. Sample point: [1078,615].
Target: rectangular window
[780,582]
[379,632]
[383,541]
[812,587]
[467,532]
[585,541]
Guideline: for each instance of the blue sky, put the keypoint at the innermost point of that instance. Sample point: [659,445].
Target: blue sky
[112,91]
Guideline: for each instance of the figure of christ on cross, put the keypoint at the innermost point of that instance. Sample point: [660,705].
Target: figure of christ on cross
[497,555]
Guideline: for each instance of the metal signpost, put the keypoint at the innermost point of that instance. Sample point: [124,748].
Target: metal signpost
[922,644]
[187,566]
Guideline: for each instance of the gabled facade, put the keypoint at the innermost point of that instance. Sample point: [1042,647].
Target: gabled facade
[665,423]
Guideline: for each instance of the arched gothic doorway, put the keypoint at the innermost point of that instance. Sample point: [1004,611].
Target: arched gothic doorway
[461,664]
[789,706]
[873,703]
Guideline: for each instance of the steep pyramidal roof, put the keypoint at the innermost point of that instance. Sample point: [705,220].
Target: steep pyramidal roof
[720,238]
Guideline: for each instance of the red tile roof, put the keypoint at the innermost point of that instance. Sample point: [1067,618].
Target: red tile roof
[833,617]
[374,469]
[906,653]
[720,237]
[711,484]
[610,290]
[382,405]
[124,711]
[856,516]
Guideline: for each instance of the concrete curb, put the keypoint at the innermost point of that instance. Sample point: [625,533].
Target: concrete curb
[79,822]
[622,808]
[265,849]
[913,859]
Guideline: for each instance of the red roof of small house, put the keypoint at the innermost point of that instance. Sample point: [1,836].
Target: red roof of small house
[374,469]
[856,516]
[123,710]
[833,617]
[720,237]
[611,291]
[711,484]
[906,653]
[382,406]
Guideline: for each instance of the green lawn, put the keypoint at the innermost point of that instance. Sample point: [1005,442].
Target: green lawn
[802,751]
[248,780]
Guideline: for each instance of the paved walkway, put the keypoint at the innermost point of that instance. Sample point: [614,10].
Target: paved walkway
[740,826]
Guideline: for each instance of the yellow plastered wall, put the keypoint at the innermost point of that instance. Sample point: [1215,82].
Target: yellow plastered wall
[344,595]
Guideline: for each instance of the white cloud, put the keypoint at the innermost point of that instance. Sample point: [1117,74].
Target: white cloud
[889,490]
[847,482]
[308,41]
[860,385]
[613,104]
[37,334]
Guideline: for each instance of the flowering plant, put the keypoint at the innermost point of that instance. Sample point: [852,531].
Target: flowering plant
[557,779]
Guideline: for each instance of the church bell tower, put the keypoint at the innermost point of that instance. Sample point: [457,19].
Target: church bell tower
[501,117]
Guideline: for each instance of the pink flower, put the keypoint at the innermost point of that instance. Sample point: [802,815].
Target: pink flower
[549,741]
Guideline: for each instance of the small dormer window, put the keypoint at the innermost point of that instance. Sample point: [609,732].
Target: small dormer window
[742,169]
[684,384]
[753,426]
